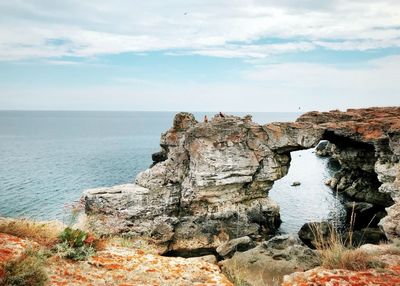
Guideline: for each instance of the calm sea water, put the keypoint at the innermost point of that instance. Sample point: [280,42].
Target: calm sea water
[47,158]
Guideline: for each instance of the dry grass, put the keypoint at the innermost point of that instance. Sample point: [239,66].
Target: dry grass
[337,253]
[29,269]
[339,257]
[131,242]
[236,275]
[45,234]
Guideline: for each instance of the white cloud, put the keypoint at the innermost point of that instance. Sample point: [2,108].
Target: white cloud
[90,28]
[279,87]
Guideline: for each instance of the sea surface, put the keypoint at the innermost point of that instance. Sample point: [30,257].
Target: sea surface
[47,158]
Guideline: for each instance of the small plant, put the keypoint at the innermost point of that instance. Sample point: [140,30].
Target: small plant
[27,270]
[71,212]
[75,244]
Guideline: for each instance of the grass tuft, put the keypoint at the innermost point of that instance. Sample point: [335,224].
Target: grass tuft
[45,234]
[29,269]
[338,253]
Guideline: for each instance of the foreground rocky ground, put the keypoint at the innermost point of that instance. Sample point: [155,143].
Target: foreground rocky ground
[124,262]
[116,265]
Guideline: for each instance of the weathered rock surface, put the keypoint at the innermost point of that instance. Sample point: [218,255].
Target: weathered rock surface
[116,265]
[321,276]
[324,148]
[308,232]
[387,270]
[209,183]
[366,142]
[267,263]
[11,248]
[237,244]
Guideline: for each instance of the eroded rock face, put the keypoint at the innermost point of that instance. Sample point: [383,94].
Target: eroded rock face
[367,145]
[209,183]
[267,263]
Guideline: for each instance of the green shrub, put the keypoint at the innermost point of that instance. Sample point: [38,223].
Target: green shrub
[64,250]
[75,244]
[73,237]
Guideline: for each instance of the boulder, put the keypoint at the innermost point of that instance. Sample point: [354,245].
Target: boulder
[362,214]
[324,149]
[227,249]
[366,235]
[267,263]
[312,233]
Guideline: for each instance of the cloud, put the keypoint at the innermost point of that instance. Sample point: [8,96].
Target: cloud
[276,87]
[249,51]
[46,29]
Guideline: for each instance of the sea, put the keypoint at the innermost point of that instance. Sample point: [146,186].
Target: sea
[48,158]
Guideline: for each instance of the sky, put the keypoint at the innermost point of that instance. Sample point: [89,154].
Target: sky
[210,55]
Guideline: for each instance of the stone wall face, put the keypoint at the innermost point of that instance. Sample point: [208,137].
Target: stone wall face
[210,181]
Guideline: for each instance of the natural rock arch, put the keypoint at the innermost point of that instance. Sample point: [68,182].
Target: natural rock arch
[210,180]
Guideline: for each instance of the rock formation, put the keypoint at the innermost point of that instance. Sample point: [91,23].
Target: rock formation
[366,142]
[267,263]
[209,183]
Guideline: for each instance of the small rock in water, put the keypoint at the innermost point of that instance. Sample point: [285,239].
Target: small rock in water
[295,184]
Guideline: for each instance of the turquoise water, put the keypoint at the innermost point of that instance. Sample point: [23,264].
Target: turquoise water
[49,157]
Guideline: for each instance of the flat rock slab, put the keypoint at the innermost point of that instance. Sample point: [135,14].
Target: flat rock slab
[320,276]
[125,266]
[118,266]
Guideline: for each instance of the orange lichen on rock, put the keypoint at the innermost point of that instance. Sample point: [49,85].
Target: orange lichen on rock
[11,247]
[367,124]
[117,265]
[319,276]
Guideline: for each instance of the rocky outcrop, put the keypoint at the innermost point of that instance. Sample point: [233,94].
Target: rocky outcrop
[209,183]
[114,264]
[267,263]
[366,142]
[384,270]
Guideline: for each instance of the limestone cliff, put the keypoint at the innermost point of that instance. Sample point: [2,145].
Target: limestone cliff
[210,181]
[367,145]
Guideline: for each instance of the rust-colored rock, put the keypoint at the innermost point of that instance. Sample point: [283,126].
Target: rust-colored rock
[366,125]
[11,248]
[118,265]
[320,276]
